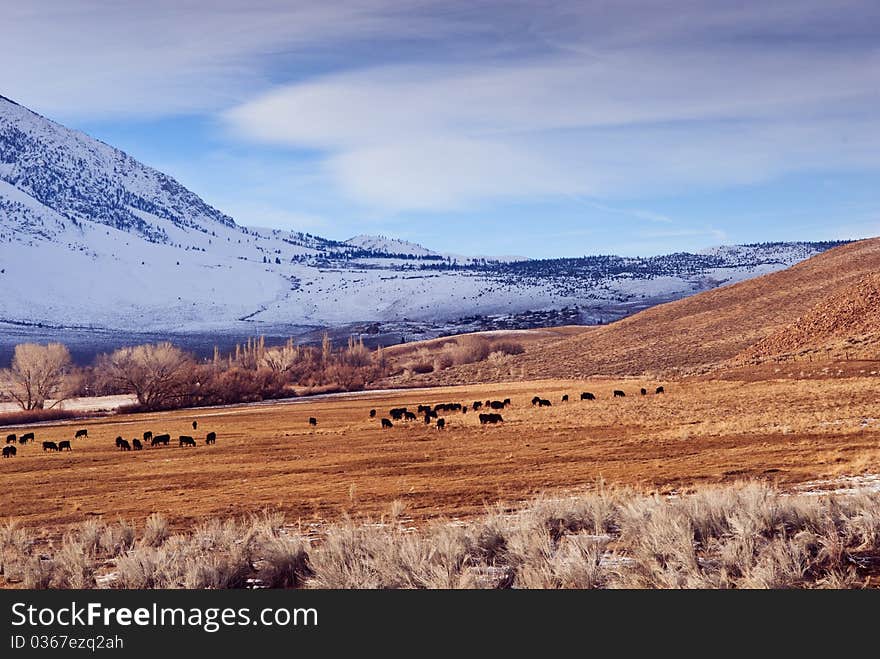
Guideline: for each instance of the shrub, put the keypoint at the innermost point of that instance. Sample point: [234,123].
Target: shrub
[285,562]
[117,538]
[422,367]
[507,347]
[443,361]
[25,417]
[155,530]
[15,546]
[470,349]
[140,570]
[38,573]
[74,566]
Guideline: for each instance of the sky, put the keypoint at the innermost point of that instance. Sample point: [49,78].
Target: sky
[538,129]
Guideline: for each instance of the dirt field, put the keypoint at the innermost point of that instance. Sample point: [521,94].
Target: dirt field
[268,456]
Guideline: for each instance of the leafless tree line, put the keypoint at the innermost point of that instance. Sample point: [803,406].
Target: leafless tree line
[162,376]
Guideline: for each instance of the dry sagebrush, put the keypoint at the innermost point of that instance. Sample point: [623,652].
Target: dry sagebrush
[744,536]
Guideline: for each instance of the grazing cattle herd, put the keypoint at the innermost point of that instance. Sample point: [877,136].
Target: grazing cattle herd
[10,451]
[429,413]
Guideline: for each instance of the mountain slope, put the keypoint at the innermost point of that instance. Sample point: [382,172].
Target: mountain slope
[84,179]
[700,332]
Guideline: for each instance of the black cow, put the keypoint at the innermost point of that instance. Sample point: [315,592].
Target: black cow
[211,438]
[50,446]
[643,391]
[564,398]
[136,444]
[186,440]
[81,433]
[490,418]
[372,414]
[660,390]
[11,439]
[536,400]
[477,405]
[387,424]
[423,408]
[160,439]
[397,413]
[148,435]
[586,395]
[65,444]
[506,402]
[25,438]
[9,451]
[119,441]
[195,425]
[496,405]
[427,419]
[619,394]
[441,424]
[409,416]
[124,445]
[313,421]
[543,402]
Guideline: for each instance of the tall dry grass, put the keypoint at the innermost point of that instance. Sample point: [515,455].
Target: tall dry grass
[749,535]
[455,351]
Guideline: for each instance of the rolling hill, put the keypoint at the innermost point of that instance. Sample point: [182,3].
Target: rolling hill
[843,325]
[828,300]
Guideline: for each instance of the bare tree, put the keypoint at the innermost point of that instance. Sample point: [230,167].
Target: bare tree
[38,374]
[158,375]
[281,359]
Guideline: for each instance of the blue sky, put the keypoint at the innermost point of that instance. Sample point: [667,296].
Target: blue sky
[531,128]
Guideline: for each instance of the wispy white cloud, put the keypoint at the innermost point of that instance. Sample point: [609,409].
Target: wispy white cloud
[638,213]
[110,58]
[715,97]
[409,138]
[433,106]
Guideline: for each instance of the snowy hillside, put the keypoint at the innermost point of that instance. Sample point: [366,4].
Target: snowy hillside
[389,246]
[91,238]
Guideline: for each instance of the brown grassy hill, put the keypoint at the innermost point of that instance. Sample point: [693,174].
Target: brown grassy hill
[843,325]
[687,336]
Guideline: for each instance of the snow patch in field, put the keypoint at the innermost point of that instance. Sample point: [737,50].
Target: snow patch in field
[842,485]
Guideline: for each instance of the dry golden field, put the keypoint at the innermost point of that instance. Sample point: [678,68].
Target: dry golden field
[267,456]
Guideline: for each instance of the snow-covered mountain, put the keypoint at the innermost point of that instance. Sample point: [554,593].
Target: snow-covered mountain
[91,238]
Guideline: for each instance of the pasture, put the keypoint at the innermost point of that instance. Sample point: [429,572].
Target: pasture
[270,456]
